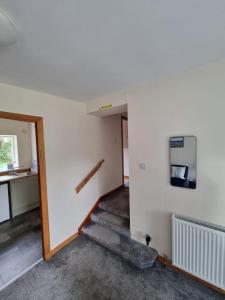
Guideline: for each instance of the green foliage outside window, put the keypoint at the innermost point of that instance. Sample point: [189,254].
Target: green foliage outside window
[6,156]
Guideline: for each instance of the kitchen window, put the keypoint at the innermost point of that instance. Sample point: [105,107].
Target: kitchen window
[8,152]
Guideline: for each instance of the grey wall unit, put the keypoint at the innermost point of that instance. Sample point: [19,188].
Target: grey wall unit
[24,194]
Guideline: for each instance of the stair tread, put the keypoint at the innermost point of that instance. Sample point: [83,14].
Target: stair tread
[130,250]
[111,221]
[117,203]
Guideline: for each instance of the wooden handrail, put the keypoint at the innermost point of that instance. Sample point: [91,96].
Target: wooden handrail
[89,176]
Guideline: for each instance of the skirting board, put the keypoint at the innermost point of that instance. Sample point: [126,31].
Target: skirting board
[168,263]
[86,220]
[65,243]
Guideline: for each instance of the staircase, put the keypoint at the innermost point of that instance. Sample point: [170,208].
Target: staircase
[109,227]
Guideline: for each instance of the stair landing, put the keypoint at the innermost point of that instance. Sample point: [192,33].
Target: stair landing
[117,203]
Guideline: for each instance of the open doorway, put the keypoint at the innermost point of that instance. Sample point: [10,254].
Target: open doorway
[125,150]
[24,233]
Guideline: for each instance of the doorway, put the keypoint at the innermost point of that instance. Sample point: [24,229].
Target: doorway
[125,151]
[24,223]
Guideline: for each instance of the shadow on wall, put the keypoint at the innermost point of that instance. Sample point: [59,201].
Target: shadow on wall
[111,142]
[209,199]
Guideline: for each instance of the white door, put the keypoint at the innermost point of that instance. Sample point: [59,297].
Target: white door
[4,203]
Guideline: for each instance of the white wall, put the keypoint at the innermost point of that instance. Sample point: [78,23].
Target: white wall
[74,143]
[23,132]
[33,141]
[191,104]
[125,148]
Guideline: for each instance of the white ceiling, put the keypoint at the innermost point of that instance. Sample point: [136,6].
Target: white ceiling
[83,49]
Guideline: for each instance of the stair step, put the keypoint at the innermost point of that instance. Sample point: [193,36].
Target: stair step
[134,252]
[110,221]
[117,203]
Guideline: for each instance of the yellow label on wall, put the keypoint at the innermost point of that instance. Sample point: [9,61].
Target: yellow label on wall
[105,107]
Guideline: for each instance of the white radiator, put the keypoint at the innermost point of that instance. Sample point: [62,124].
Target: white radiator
[199,248]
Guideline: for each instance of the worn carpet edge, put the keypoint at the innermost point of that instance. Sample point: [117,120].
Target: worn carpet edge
[132,251]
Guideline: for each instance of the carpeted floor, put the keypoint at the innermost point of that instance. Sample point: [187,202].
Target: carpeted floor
[84,271]
[20,245]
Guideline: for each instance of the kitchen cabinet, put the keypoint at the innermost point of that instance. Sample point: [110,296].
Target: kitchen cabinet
[24,194]
[4,203]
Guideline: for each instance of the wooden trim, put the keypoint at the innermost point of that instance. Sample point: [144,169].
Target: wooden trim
[65,243]
[126,177]
[89,176]
[168,263]
[87,219]
[41,175]
[39,127]
[19,117]
[15,170]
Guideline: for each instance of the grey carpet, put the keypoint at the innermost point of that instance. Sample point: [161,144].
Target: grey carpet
[110,228]
[20,224]
[117,203]
[136,253]
[85,271]
[21,247]
[113,222]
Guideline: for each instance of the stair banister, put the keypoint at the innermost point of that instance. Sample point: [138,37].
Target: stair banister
[89,176]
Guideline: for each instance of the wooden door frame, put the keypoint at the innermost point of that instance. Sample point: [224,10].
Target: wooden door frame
[122,139]
[39,128]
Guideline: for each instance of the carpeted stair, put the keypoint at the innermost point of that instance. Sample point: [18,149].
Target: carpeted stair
[110,227]
[110,221]
[117,203]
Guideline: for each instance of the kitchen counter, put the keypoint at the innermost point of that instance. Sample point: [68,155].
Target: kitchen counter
[8,178]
